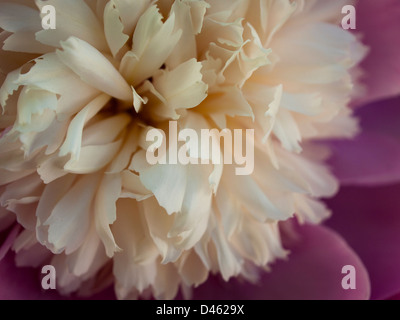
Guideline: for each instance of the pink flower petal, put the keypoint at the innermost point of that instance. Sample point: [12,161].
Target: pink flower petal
[382,117]
[370,159]
[373,158]
[379,22]
[369,220]
[313,271]
[395,297]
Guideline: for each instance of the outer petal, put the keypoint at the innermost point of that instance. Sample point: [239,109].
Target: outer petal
[23,22]
[313,271]
[369,220]
[379,22]
[373,158]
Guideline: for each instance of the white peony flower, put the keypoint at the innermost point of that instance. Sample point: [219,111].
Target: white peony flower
[77,104]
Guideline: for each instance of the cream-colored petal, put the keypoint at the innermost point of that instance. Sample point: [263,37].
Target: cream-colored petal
[9,87]
[105,211]
[130,11]
[133,187]
[265,102]
[93,68]
[242,59]
[228,260]
[12,157]
[88,259]
[7,176]
[131,234]
[307,104]
[52,194]
[134,266]
[181,88]
[189,18]
[106,130]
[113,28]
[159,223]
[192,221]
[93,158]
[317,177]
[217,30]
[32,101]
[251,196]
[198,123]
[191,269]
[153,42]
[228,101]
[122,160]
[63,221]
[23,22]
[162,180]
[271,16]
[15,17]
[21,196]
[10,60]
[74,19]
[310,210]
[258,242]
[73,141]
[50,74]
[40,121]
[287,131]
[138,101]
[167,282]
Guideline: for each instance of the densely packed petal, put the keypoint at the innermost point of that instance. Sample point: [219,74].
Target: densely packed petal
[79,105]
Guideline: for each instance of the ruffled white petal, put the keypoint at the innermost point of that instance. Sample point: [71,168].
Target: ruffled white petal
[63,222]
[93,68]
[106,211]
[113,28]
[153,42]
[74,19]
[23,22]
[182,88]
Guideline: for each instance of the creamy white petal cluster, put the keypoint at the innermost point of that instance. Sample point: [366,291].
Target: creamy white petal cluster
[78,101]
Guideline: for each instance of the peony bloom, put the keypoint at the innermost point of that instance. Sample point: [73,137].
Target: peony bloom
[76,189]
